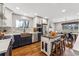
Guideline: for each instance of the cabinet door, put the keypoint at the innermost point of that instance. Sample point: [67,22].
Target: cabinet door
[26,40]
[35,37]
[8,14]
[29,40]
[2,54]
[23,41]
[17,39]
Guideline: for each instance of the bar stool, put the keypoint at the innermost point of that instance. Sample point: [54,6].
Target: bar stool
[63,39]
[56,50]
[53,49]
[62,46]
[69,40]
[58,47]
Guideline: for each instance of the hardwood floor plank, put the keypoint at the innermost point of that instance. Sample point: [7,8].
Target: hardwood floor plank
[35,50]
[28,50]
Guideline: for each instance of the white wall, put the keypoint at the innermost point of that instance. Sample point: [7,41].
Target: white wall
[58,27]
[53,27]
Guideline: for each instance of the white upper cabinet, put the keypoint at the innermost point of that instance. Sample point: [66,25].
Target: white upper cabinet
[39,20]
[5,16]
[44,21]
[8,21]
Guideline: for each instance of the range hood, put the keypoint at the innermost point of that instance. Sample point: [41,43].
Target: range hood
[2,16]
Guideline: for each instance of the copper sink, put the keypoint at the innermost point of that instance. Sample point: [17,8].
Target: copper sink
[25,34]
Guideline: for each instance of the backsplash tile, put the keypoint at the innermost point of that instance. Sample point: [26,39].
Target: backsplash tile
[15,30]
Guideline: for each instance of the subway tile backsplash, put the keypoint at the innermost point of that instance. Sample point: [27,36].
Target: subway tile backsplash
[15,30]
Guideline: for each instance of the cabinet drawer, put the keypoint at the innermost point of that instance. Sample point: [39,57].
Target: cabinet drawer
[17,40]
[2,54]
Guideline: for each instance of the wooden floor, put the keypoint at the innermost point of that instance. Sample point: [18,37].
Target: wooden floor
[35,50]
[28,50]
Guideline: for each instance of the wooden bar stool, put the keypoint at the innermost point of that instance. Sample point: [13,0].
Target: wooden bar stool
[62,46]
[63,42]
[53,49]
[69,40]
[58,47]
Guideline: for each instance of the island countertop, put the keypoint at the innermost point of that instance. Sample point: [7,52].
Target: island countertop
[4,44]
[51,37]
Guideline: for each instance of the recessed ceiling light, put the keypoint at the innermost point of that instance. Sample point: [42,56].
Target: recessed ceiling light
[17,8]
[46,17]
[64,10]
[35,14]
[78,13]
[25,14]
[23,17]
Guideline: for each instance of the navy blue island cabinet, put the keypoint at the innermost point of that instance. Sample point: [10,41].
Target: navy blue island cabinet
[17,39]
[21,41]
[26,40]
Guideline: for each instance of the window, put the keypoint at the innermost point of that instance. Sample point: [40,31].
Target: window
[70,26]
[22,23]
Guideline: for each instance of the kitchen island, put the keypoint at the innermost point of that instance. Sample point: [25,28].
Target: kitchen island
[46,43]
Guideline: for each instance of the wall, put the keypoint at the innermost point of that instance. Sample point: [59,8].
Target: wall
[58,27]
[52,27]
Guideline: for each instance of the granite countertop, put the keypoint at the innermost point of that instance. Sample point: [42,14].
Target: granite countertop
[75,33]
[4,44]
[20,33]
[51,37]
[33,32]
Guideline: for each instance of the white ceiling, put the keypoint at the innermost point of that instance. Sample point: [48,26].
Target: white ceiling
[50,10]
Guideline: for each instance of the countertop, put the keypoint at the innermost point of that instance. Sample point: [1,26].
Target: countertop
[51,37]
[20,33]
[33,32]
[75,33]
[4,44]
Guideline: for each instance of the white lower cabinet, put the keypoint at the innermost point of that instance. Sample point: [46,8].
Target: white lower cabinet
[34,37]
[45,46]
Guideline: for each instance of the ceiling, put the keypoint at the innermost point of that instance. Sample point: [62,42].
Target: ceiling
[50,10]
